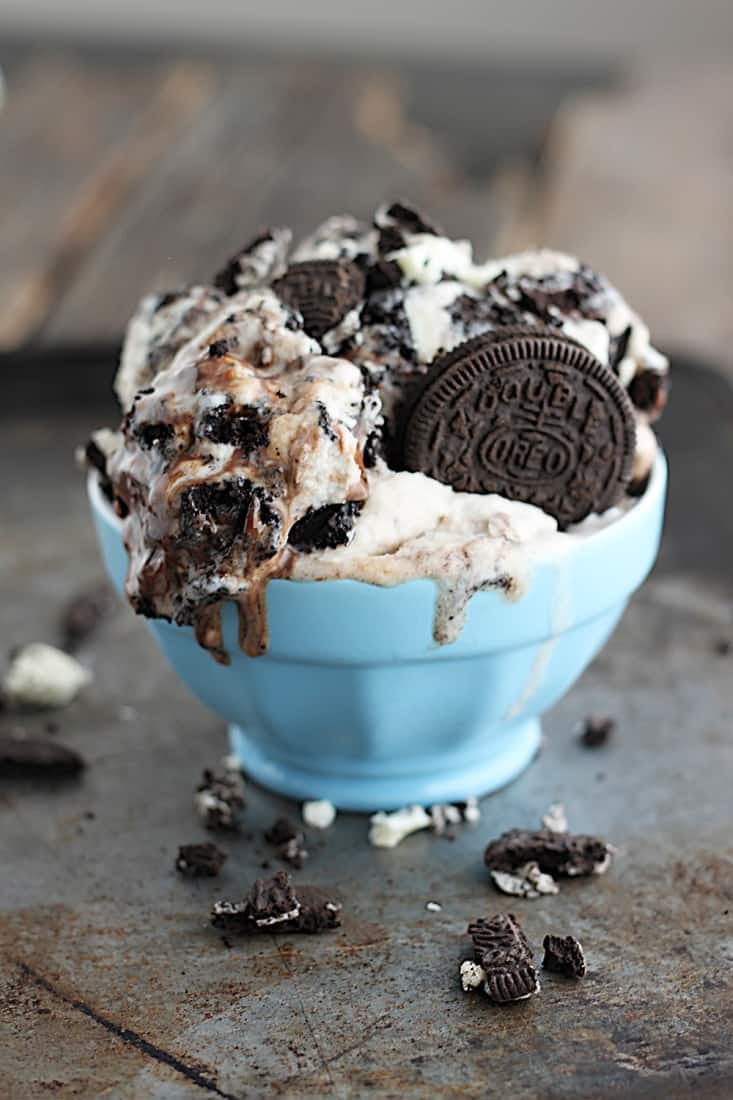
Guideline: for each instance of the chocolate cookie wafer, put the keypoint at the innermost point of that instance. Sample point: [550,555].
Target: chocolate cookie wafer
[529,414]
[323,292]
[501,948]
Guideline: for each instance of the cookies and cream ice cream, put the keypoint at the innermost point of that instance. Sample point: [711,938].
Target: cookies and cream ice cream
[264,418]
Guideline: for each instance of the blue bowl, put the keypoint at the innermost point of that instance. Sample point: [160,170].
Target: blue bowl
[354,702]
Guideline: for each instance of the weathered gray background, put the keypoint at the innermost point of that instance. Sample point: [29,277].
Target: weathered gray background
[119,171]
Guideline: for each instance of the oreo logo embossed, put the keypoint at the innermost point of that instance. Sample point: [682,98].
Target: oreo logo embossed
[528,414]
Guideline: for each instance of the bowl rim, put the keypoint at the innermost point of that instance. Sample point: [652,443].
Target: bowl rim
[645,504]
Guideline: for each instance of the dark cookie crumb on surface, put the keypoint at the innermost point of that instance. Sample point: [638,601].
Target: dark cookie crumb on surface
[501,948]
[289,841]
[274,905]
[84,613]
[597,731]
[37,756]
[200,860]
[557,854]
[220,800]
[563,955]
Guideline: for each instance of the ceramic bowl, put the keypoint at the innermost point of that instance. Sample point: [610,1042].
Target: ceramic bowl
[354,702]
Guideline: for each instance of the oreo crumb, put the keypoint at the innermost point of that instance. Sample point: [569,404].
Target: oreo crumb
[274,905]
[97,459]
[319,814]
[723,647]
[446,814]
[405,217]
[563,955]
[219,799]
[325,528]
[240,426]
[288,840]
[200,860]
[383,274]
[37,756]
[526,882]
[562,855]
[648,391]
[389,830]
[473,976]
[502,951]
[41,675]
[84,613]
[555,819]
[597,731]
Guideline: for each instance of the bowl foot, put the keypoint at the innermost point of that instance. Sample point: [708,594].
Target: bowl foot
[369,786]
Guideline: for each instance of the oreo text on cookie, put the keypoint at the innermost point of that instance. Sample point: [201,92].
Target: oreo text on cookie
[528,414]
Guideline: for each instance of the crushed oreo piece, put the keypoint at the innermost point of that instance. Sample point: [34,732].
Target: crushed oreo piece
[261,260]
[723,647]
[562,855]
[372,449]
[526,882]
[240,426]
[37,756]
[555,819]
[618,347]
[325,528]
[405,217]
[648,392]
[84,613]
[597,730]
[200,860]
[219,799]
[563,955]
[289,841]
[390,240]
[383,274]
[218,348]
[213,514]
[322,291]
[502,950]
[97,459]
[274,905]
[446,814]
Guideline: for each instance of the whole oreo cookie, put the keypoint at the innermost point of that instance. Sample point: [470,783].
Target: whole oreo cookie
[323,292]
[529,414]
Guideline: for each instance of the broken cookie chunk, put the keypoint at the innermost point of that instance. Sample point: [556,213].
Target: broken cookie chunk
[200,860]
[274,905]
[219,799]
[41,756]
[597,731]
[501,950]
[289,841]
[563,955]
[562,855]
[526,882]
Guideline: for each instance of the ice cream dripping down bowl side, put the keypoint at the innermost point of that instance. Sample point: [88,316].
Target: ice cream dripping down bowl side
[354,701]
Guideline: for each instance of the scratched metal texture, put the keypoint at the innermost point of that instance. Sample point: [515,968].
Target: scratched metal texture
[112,984]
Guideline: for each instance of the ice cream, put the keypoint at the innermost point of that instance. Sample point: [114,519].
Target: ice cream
[262,422]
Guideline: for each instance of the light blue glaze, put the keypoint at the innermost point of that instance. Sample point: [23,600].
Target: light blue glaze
[354,702]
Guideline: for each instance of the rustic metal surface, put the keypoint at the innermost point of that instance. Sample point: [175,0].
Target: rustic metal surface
[114,985]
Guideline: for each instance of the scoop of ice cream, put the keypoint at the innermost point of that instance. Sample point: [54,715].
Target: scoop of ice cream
[262,417]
